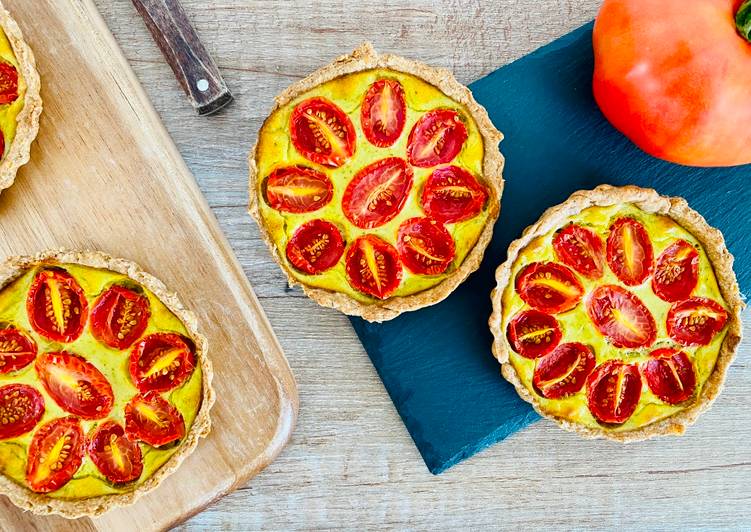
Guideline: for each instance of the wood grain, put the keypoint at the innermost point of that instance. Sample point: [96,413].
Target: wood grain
[351,462]
[105,175]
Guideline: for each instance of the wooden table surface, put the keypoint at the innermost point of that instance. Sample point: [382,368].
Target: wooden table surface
[351,462]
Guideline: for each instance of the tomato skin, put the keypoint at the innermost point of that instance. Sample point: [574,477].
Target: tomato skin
[549,287]
[17,350]
[377,193]
[436,138]
[56,306]
[43,476]
[8,83]
[451,194]
[603,387]
[705,316]
[676,272]
[21,408]
[629,251]
[93,396]
[161,362]
[322,132]
[425,246]
[119,317]
[564,371]
[138,427]
[297,189]
[373,267]
[581,249]
[675,80]
[128,464]
[616,312]
[316,246]
[533,334]
[670,375]
[385,96]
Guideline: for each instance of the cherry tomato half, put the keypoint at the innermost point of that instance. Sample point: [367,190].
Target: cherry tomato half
[8,83]
[119,317]
[581,249]
[322,132]
[451,194]
[152,420]
[564,371]
[21,408]
[377,193]
[629,251]
[676,272]
[16,350]
[75,384]
[533,334]
[425,246]
[115,455]
[613,391]
[56,306]
[383,112]
[436,138]
[297,189]
[670,375]
[160,362]
[621,317]
[55,454]
[695,321]
[549,287]
[373,267]
[315,247]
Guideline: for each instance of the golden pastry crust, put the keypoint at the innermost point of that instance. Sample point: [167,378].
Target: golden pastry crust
[38,503]
[719,256]
[28,119]
[366,58]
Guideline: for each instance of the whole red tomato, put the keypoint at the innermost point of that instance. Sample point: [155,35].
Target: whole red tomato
[675,77]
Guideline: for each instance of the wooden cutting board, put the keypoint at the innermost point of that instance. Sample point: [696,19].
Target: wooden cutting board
[105,175]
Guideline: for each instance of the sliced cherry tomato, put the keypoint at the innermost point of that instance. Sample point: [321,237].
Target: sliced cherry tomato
[452,194]
[695,321]
[152,420]
[629,251]
[436,138]
[533,334]
[116,456]
[55,454]
[581,249]
[16,350]
[621,317]
[315,247]
[56,306]
[677,272]
[322,132]
[373,266]
[425,246]
[549,287]
[21,408]
[119,317]
[383,112]
[160,362]
[670,375]
[8,83]
[297,189]
[75,384]
[613,391]
[564,371]
[377,193]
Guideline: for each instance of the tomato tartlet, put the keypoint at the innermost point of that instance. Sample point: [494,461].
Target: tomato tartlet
[617,314]
[20,103]
[376,182]
[104,382]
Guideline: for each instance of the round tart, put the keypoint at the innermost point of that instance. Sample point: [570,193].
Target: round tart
[376,182]
[104,382]
[20,103]
[617,314]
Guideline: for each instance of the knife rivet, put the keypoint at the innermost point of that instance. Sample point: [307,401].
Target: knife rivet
[203,85]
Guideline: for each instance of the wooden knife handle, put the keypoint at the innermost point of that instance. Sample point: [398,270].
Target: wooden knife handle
[183,50]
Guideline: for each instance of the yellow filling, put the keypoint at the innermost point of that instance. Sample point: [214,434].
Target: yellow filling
[9,112]
[577,327]
[88,481]
[275,149]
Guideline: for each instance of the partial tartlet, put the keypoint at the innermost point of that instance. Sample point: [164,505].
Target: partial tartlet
[20,102]
[376,182]
[617,314]
[105,386]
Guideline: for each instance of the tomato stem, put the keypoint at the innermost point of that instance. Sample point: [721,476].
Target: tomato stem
[743,20]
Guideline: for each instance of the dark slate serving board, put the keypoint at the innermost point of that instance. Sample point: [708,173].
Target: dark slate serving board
[436,363]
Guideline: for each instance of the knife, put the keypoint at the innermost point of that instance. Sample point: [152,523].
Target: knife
[190,61]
